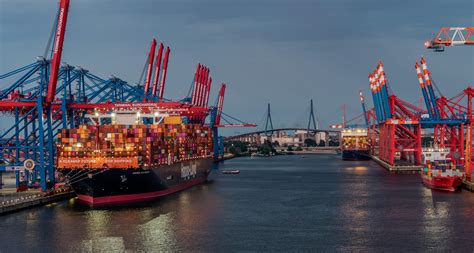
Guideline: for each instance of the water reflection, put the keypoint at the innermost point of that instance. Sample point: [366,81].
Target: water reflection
[161,225]
[287,204]
[103,244]
[158,234]
[97,223]
[354,211]
[357,169]
[436,220]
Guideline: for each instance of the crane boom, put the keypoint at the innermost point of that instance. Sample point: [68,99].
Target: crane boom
[163,75]
[424,91]
[364,109]
[58,49]
[157,70]
[220,103]
[202,86]
[209,83]
[451,36]
[196,80]
[374,96]
[380,75]
[151,58]
[207,89]
[198,85]
[433,97]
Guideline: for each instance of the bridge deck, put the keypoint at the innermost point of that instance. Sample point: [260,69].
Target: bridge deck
[283,129]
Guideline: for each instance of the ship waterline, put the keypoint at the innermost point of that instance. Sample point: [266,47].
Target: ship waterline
[117,186]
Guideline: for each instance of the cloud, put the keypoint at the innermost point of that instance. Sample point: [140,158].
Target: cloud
[283,52]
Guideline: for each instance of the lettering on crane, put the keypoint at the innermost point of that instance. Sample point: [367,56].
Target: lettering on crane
[58,32]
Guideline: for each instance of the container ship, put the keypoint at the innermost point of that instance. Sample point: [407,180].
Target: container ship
[120,163]
[355,144]
[440,172]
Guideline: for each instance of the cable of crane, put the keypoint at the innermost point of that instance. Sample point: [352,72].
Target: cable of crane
[51,35]
[436,87]
[143,71]
[238,120]
[191,87]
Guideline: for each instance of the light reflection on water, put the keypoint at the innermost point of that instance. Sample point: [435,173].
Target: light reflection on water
[354,212]
[437,222]
[318,203]
[357,169]
[158,233]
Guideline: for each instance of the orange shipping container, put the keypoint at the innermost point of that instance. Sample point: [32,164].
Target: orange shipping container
[172,120]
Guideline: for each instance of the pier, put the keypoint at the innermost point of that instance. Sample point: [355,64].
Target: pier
[13,202]
[397,168]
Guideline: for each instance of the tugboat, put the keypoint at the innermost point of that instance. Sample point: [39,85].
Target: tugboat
[442,174]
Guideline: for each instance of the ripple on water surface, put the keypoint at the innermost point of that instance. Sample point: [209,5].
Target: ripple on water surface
[285,203]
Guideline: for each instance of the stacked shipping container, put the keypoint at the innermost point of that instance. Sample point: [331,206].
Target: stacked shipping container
[150,145]
[355,142]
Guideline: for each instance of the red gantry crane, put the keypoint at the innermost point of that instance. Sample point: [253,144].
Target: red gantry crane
[451,36]
[458,36]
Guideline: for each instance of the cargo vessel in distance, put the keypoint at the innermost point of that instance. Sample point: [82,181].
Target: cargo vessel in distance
[117,163]
[440,172]
[355,144]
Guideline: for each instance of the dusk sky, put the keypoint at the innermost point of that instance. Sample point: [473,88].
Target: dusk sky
[279,52]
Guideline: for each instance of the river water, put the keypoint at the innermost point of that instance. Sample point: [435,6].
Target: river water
[286,203]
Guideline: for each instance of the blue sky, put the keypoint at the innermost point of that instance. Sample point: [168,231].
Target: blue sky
[279,52]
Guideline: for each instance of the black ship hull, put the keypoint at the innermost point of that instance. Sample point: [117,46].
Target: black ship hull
[355,155]
[118,186]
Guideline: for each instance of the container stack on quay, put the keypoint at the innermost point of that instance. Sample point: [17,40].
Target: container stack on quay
[132,146]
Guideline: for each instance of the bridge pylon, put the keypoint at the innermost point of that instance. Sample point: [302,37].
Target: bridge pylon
[311,119]
[268,123]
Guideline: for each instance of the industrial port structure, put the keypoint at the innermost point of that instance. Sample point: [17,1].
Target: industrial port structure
[44,97]
[395,125]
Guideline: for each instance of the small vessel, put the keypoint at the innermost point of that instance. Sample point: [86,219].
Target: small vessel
[442,174]
[231,172]
[355,144]
[442,182]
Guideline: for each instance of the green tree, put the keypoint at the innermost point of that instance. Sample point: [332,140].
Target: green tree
[333,143]
[237,147]
[310,143]
[264,149]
